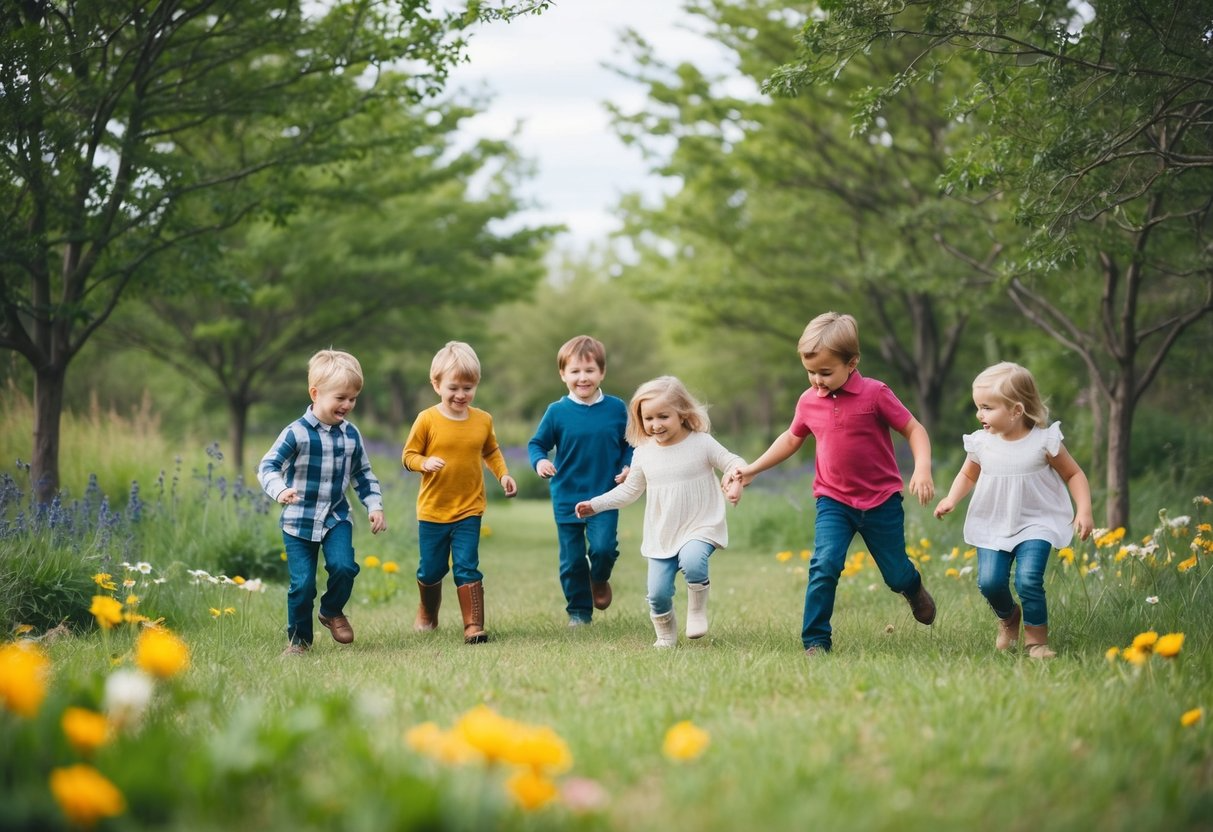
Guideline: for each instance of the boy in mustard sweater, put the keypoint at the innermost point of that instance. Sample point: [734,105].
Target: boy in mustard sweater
[448,444]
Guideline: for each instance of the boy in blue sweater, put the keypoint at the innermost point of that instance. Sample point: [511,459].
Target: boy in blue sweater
[587,430]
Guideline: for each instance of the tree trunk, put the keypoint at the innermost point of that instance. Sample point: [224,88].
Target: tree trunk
[1120,427]
[237,409]
[49,382]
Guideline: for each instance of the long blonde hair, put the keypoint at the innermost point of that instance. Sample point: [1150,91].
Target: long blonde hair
[692,414]
[1015,386]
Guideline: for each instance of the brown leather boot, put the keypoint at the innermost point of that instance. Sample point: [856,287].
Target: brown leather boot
[1008,630]
[1036,639]
[427,610]
[471,603]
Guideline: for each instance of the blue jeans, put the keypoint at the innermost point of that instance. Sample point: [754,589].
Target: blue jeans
[578,568]
[882,529]
[692,560]
[994,579]
[447,545]
[301,559]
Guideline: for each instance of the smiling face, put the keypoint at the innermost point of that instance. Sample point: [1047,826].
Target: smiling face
[662,422]
[583,377]
[997,415]
[457,395]
[332,403]
[827,371]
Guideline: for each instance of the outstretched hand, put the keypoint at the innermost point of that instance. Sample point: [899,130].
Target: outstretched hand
[584,510]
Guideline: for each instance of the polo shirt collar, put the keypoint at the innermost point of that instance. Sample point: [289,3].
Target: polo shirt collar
[852,384]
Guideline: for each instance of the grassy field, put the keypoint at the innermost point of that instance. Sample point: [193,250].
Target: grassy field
[902,727]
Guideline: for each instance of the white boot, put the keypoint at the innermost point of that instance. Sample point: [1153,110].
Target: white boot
[666,626]
[697,610]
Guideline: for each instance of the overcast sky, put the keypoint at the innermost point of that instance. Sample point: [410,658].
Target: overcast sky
[547,73]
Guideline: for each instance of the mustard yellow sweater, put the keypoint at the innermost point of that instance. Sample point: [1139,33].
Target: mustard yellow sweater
[456,490]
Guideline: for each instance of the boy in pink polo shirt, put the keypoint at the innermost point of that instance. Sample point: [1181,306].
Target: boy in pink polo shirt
[857,485]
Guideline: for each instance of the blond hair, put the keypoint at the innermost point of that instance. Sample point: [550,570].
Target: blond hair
[333,368]
[668,389]
[1015,386]
[831,331]
[581,346]
[456,360]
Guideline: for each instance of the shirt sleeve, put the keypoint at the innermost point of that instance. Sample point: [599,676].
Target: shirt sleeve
[269,471]
[491,452]
[414,447]
[544,440]
[624,494]
[366,484]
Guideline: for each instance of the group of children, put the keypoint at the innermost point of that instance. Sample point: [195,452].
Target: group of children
[601,454]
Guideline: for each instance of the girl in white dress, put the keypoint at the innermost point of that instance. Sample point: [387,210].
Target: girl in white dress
[1018,471]
[675,462]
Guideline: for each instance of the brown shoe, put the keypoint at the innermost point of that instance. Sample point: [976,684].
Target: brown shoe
[1008,630]
[427,610]
[471,604]
[295,650]
[1036,639]
[922,605]
[340,627]
[814,651]
[602,594]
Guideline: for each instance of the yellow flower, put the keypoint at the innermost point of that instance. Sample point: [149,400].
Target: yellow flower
[486,530]
[86,730]
[970,554]
[238,580]
[85,795]
[487,731]
[1169,645]
[784,556]
[371,562]
[23,672]
[1112,654]
[805,554]
[1145,641]
[1185,565]
[531,790]
[105,580]
[1066,554]
[685,741]
[1191,717]
[160,653]
[106,610]
[952,572]
[215,613]
[1110,538]
[391,567]
[132,600]
[540,748]
[282,556]
[1134,656]
[443,746]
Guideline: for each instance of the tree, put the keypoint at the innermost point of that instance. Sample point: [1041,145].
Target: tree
[1099,130]
[106,109]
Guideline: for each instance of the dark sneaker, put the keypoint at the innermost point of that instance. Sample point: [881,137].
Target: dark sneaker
[295,650]
[340,627]
[921,604]
[602,594]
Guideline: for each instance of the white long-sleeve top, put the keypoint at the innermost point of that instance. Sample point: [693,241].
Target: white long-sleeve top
[683,501]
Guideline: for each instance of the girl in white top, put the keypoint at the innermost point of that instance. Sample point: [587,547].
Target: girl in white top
[675,462]
[1018,470]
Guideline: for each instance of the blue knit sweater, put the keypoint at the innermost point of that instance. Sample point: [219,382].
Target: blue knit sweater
[590,450]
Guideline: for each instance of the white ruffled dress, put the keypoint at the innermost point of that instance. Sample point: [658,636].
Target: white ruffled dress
[1018,496]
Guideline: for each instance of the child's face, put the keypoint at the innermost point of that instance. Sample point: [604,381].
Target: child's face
[996,415]
[331,404]
[827,371]
[457,395]
[662,422]
[583,377]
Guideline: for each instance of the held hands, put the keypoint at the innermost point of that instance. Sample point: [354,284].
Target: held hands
[378,522]
[433,463]
[511,487]
[731,486]
[545,469]
[584,510]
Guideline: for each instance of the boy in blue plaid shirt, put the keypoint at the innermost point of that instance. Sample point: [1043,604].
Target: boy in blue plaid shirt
[308,470]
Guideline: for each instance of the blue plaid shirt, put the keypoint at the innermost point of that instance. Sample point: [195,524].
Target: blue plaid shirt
[319,461]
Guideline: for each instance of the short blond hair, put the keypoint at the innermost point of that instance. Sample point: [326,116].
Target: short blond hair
[456,360]
[668,389]
[1015,386]
[333,368]
[831,331]
[581,346]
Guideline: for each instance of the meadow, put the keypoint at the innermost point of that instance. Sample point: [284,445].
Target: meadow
[901,727]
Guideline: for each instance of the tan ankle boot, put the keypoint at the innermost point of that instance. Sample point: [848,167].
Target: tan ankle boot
[1036,639]
[1008,630]
[427,610]
[471,604]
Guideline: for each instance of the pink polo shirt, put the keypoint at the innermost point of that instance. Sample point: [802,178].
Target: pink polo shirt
[855,461]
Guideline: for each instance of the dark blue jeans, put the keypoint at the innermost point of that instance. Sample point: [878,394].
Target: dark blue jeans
[588,551]
[301,559]
[994,579]
[882,529]
[449,545]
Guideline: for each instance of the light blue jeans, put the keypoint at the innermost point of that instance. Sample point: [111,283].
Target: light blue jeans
[691,560]
[994,580]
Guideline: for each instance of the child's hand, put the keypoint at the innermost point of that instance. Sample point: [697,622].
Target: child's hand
[378,523]
[732,489]
[584,510]
[289,497]
[1084,524]
[511,487]
[922,487]
[433,463]
[622,475]
[945,507]
[545,469]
